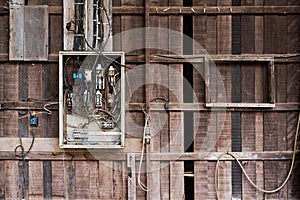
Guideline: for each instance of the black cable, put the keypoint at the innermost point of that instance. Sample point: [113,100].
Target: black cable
[22,155]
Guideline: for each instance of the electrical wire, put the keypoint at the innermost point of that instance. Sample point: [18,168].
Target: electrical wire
[235,157]
[22,154]
[141,184]
[46,111]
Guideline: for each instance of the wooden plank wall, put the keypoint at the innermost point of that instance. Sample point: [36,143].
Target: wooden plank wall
[73,175]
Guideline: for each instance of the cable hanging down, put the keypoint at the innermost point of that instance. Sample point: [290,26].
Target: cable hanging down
[247,176]
[140,183]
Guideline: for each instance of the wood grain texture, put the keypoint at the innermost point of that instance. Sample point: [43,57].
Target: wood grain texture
[12,191]
[82,180]
[105,173]
[176,119]
[4,40]
[119,186]
[55,33]
[16,33]
[36,39]
[70,179]
[35,91]
[69,9]
[93,184]
[35,179]
[47,180]
[2,181]
[59,180]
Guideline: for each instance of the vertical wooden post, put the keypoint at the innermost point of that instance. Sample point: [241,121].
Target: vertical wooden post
[131,180]
[147,91]
[271,72]
[68,15]
[16,33]
[206,79]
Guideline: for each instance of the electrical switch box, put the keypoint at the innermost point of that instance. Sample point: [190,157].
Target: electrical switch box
[91,99]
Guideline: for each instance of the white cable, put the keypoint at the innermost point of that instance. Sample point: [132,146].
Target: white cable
[141,184]
[247,176]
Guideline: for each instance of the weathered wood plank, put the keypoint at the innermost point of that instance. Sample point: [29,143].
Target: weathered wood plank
[68,16]
[104,156]
[271,122]
[119,191]
[4,40]
[248,144]
[224,28]
[107,28]
[12,191]
[176,119]
[70,179]
[47,180]
[106,173]
[35,91]
[59,180]
[259,135]
[55,34]
[208,10]
[11,85]
[16,33]
[35,179]
[131,179]
[36,24]
[3,180]
[211,32]
[93,184]
[201,180]
[180,59]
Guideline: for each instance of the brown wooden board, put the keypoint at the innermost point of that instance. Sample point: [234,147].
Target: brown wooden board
[55,33]
[12,191]
[2,181]
[35,179]
[119,186]
[262,129]
[105,187]
[4,41]
[59,180]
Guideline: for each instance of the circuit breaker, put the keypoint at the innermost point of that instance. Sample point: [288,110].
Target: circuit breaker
[91,99]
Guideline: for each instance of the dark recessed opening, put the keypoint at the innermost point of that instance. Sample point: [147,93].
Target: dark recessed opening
[188,97]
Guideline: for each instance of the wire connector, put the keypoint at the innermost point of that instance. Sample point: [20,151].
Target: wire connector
[147,136]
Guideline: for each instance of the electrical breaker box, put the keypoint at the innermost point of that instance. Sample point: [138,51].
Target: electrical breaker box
[91,99]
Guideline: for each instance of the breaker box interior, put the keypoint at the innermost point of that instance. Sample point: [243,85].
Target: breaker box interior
[91,99]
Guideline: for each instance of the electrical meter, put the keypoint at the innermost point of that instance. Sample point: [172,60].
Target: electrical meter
[91,100]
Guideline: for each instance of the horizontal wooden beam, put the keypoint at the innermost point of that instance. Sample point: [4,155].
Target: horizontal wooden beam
[50,145]
[195,107]
[278,58]
[121,156]
[196,10]
[53,10]
[23,105]
[211,10]
[213,156]
[170,106]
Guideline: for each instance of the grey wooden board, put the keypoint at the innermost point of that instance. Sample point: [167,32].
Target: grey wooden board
[16,30]
[36,23]
[68,16]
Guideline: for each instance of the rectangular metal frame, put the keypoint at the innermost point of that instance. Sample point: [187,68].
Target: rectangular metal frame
[61,106]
